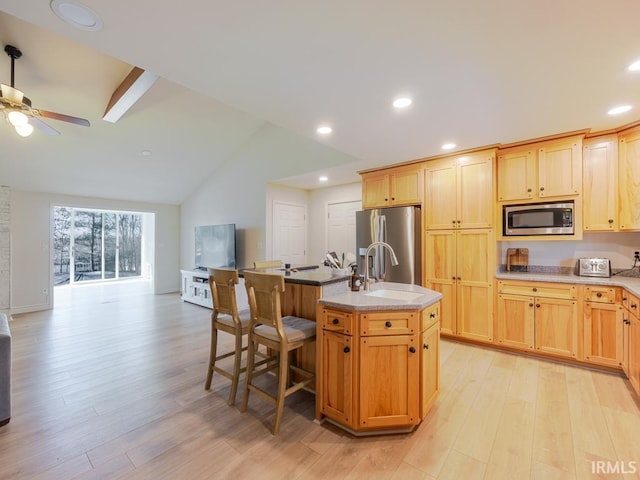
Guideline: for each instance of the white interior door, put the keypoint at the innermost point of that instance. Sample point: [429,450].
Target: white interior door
[290,233]
[341,227]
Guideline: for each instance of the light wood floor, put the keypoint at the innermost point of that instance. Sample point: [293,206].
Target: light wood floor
[110,385]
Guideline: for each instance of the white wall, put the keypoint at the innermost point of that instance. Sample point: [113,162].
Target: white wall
[237,191]
[31,276]
[318,201]
[618,247]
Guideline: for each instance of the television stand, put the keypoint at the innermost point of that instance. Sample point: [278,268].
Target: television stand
[195,287]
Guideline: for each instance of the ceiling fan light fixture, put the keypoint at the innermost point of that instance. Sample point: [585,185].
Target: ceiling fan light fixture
[24,130]
[77,15]
[12,94]
[17,119]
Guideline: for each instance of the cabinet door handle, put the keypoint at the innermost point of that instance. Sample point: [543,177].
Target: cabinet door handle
[453,278]
[335,321]
[624,299]
[542,189]
[393,198]
[412,349]
[432,315]
[531,304]
[611,220]
[388,324]
[346,349]
[537,305]
[528,190]
[425,346]
[598,294]
[633,305]
[458,278]
[626,322]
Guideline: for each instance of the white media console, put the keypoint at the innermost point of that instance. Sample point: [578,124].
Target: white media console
[195,289]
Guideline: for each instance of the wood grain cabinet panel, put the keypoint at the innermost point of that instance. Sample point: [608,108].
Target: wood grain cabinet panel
[392,187]
[603,333]
[338,379]
[389,392]
[600,184]
[429,367]
[514,326]
[629,180]
[550,169]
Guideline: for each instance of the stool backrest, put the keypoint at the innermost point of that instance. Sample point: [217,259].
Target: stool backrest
[264,291]
[223,290]
[267,264]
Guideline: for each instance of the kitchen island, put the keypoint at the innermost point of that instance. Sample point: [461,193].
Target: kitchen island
[377,358]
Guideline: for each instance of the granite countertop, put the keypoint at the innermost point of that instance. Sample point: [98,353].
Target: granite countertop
[632,284]
[395,296]
[316,276]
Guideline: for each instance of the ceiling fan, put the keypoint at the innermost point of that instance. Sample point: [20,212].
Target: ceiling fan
[18,110]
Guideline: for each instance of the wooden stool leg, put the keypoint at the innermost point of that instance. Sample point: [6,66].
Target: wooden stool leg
[248,374]
[282,387]
[236,370]
[212,355]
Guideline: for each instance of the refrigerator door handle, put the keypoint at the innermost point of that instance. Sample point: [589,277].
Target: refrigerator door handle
[381,252]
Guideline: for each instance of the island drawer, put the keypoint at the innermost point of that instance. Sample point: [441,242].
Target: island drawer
[389,323]
[538,289]
[337,321]
[430,315]
[601,294]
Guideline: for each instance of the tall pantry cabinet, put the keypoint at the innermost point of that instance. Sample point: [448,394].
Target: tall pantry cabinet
[460,241]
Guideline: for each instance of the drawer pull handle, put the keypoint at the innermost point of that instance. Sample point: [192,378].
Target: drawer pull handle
[535,289]
[388,324]
[598,294]
[432,315]
[412,349]
[624,299]
[335,321]
[346,349]
[633,305]
[425,346]
[626,322]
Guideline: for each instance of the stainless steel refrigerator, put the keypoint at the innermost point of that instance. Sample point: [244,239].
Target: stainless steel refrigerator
[400,227]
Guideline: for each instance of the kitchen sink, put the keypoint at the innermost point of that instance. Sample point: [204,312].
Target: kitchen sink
[393,294]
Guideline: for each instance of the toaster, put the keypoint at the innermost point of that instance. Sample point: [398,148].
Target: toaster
[593,267]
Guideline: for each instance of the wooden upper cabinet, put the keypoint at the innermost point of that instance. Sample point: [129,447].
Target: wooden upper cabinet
[600,184]
[459,192]
[629,180]
[375,190]
[516,175]
[541,170]
[397,186]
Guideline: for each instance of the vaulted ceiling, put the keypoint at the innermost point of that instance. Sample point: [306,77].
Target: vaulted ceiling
[479,73]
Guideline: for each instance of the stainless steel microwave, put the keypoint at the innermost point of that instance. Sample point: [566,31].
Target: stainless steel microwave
[557,218]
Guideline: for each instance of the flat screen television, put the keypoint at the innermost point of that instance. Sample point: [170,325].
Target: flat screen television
[215,246]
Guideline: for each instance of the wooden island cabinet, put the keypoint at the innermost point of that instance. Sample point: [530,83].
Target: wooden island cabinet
[379,360]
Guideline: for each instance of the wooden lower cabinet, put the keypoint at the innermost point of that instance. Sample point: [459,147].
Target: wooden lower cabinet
[388,386]
[634,352]
[429,367]
[546,324]
[383,376]
[603,333]
[339,378]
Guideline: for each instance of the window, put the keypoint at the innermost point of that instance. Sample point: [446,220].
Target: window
[92,245]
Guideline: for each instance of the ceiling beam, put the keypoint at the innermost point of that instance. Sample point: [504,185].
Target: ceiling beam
[132,88]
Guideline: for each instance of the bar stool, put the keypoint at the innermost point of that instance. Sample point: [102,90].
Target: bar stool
[281,335]
[225,317]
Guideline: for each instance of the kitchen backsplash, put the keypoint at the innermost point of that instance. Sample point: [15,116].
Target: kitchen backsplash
[618,247]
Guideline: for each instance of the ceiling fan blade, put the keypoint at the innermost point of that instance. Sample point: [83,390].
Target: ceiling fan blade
[43,127]
[62,117]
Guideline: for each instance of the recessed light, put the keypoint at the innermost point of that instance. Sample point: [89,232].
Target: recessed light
[77,15]
[619,110]
[323,178]
[324,130]
[635,66]
[402,102]
[448,146]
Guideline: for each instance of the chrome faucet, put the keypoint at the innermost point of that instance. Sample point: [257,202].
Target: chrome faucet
[394,260]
